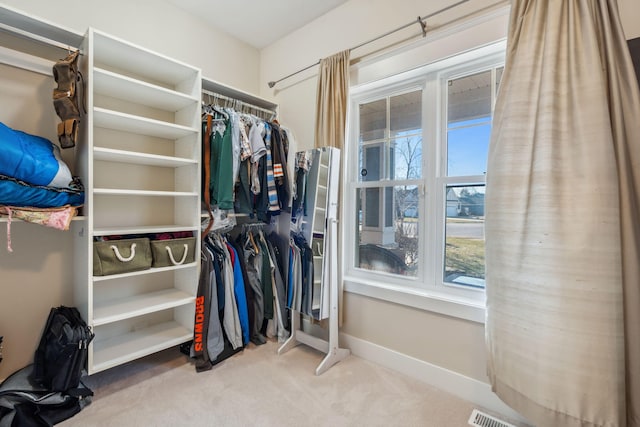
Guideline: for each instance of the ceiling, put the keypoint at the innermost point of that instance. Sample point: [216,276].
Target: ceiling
[257,22]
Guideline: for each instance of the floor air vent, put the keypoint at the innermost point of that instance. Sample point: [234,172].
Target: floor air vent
[480,419]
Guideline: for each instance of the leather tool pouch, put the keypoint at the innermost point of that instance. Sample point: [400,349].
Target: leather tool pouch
[65,98]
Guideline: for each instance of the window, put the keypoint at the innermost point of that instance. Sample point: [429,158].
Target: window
[389,159]
[417,161]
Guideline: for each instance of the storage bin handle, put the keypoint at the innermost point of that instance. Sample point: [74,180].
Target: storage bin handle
[184,255]
[120,257]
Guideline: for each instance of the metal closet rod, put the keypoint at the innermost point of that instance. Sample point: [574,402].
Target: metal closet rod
[420,20]
[241,103]
[36,37]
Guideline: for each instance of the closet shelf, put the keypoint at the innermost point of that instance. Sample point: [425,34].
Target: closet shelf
[122,192]
[126,308]
[129,89]
[122,156]
[147,229]
[4,218]
[139,61]
[116,120]
[124,348]
[141,272]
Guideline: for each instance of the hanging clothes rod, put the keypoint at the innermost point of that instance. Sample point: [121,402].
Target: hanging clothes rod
[235,101]
[38,38]
[421,20]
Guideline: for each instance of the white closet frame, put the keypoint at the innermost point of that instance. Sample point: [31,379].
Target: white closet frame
[132,90]
[139,159]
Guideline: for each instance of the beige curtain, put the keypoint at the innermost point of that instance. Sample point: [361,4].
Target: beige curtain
[331,111]
[331,117]
[562,219]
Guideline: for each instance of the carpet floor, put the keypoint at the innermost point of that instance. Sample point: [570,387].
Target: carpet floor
[257,387]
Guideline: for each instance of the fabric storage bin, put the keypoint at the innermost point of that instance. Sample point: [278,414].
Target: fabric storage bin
[167,253]
[121,256]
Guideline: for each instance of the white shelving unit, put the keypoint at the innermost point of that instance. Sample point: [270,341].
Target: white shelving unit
[139,158]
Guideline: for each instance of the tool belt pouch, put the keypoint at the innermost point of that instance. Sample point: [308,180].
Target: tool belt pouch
[121,256]
[167,253]
[65,99]
[68,133]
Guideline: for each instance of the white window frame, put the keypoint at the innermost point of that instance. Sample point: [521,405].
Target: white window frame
[427,290]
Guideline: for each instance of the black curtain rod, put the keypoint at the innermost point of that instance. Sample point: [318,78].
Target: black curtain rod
[421,20]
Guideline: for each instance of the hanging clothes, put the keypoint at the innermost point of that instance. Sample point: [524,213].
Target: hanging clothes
[303,163]
[278,291]
[303,275]
[222,166]
[240,294]
[208,341]
[222,319]
[250,166]
[253,268]
[279,149]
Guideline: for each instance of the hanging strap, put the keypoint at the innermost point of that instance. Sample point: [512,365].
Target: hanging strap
[9,248]
[207,174]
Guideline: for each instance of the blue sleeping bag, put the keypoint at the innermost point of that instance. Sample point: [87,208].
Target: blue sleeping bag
[18,193]
[32,159]
[32,173]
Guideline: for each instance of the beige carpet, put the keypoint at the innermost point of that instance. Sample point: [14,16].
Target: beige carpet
[259,388]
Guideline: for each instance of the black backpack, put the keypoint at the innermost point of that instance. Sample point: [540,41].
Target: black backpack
[62,353]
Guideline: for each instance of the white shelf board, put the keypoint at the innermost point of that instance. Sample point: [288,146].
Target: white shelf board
[112,311]
[141,272]
[122,156]
[123,192]
[39,28]
[226,90]
[145,229]
[116,120]
[4,218]
[140,61]
[128,89]
[124,348]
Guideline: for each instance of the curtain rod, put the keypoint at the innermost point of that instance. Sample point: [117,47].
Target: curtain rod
[421,20]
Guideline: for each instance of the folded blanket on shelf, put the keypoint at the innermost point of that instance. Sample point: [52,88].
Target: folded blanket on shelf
[58,218]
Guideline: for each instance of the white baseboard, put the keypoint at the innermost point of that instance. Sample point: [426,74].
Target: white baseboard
[459,385]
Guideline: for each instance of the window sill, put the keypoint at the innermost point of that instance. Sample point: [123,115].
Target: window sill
[448,305]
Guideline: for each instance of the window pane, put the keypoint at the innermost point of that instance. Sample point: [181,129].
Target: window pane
[464,236]
[373,120]
[372,207]
[405,113]
[388,207]
[394,247]
[467,149]
[371,165]
[407,157]
[468,124]
[469,98]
